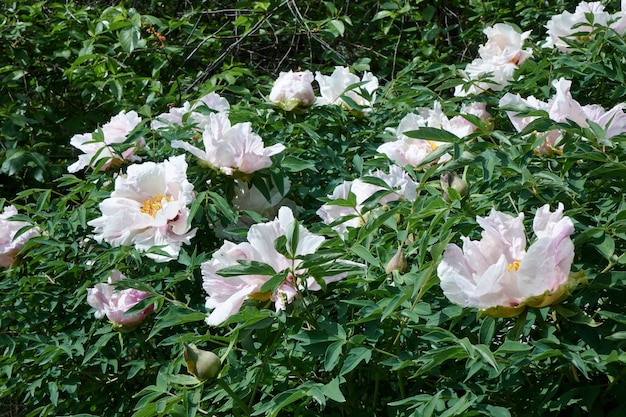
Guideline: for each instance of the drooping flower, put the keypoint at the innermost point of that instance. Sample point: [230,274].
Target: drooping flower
[498,59]
[293,89]
[231,149]
[576,26]
[397,180]
[226,295]
[114,132]
[499,276]
[176,115]
[149,208]
[113,303]
[10,245]
[409,151]
[562,107]
[333,86]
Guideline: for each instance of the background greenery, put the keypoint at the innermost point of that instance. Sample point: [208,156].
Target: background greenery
[375,344]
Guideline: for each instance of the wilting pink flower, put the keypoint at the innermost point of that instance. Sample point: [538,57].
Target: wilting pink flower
[176,115]
[9,244]
[398,180]
[498,59]
[114,132]
[114,303]
[409,151]
[293,89]
[231,149]
[226,295]
[499,275]
[149,208]
[574,26]
[332,87]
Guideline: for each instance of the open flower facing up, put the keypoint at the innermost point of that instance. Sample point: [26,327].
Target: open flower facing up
[114,303]
[227,294]
[398,180]
[409,151]
[293,89]
[332,87]
[562,107]
[575,26]
[9,244]
[231,149]
[498,59]
[114,132]
[496,274]
[199,120]
[148,208]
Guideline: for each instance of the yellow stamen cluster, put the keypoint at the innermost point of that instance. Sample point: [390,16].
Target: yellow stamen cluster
[260,296]
[514,265]
[152,205]
[433,145]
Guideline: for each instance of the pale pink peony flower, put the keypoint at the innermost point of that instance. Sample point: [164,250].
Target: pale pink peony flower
[409,151]
[9,244]
[498,59]
[227,295]
[293,89]
[114,132]
[176,115]
[332,87]
[149,208]
[574,26]
[114,303]
[619,19]
[498,275]
[231,149]
[398,180]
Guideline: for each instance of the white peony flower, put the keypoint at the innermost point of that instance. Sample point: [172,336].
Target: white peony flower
[574,26]
[335,85]
[9,244]
[114,132]
[293,89]
[231,149]
[398,180]
[176,114]
[226,295]
[148,208]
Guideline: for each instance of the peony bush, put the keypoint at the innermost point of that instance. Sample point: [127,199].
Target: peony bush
[432,224]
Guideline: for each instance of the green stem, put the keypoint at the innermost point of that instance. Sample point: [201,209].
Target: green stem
[234,396]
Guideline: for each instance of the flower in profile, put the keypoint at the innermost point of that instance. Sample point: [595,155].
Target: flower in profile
[410,151]
[226,295]
[231,149]
[400,186]
[293,89]
[191,111]
[562,107]
[148,209]
[342,82]
[10,242]
[499,276]
[96,147]
[567,27]
[114,303]
[498,59]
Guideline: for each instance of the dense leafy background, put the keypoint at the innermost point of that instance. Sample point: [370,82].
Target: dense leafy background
[375,344]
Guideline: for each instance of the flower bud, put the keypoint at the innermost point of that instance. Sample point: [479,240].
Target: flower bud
[451,180]
[203,364]
[397,263]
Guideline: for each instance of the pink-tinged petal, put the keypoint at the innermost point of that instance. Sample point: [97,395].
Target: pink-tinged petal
[228,307]
[198,153]
[456,277]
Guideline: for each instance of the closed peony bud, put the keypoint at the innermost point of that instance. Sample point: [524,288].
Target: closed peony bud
[397,263]
[203,364]
[449,180]
[293,89]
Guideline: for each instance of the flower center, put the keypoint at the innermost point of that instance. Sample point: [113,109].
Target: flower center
[514,265]
[260,296]
[433,145]
[152,205]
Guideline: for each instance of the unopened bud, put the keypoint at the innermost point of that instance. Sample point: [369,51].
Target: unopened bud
[453,184]
[397,263]
[201,363]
